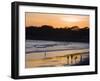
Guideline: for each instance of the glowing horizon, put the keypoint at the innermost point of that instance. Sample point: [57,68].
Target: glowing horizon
[56,20]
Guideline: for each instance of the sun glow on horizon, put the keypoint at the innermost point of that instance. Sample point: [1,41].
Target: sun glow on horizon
[56,20]
[71,19]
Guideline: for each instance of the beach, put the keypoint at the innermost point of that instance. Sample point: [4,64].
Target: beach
[55,54]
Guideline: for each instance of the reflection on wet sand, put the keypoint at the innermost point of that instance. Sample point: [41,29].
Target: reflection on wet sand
[42,53]
[62,60]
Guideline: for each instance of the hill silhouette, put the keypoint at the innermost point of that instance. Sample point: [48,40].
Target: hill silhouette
[46,32]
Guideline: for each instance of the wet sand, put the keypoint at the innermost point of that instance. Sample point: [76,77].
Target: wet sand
[54,61]
[40,53]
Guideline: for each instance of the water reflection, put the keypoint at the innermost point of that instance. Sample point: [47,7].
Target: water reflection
[71,59]
[51,54]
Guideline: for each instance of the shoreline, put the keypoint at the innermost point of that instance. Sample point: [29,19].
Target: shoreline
[65,60]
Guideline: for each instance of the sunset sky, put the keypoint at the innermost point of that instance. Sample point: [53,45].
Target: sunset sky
[56,20]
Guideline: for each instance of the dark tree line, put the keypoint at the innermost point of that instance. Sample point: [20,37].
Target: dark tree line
[46,32]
